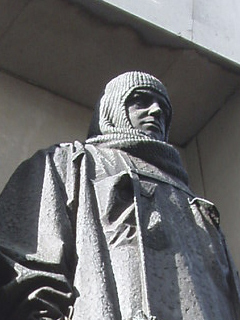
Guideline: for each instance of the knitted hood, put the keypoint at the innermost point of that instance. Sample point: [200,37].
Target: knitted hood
[110,114]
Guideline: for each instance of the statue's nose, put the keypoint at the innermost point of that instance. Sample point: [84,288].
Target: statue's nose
[155,109]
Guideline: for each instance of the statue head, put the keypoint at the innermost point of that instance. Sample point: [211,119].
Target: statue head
[148,111]
[134,102]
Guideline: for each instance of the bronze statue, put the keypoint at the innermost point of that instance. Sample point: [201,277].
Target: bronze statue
[108,229]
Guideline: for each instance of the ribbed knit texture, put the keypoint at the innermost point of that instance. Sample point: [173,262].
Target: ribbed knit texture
[110,126]
[111,114]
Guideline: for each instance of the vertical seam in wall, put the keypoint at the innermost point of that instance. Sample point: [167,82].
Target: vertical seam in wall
[193,14]
[201,166]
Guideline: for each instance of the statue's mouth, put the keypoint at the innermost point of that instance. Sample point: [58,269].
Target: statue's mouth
[153,124]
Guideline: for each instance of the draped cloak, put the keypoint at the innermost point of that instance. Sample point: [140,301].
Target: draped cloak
[92,232]
[109,230]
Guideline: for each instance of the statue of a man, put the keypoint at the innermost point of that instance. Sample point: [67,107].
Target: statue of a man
[109,230]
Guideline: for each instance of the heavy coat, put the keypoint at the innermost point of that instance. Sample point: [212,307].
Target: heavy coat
[90,232]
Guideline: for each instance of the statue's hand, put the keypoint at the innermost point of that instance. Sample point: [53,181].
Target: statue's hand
[45,304]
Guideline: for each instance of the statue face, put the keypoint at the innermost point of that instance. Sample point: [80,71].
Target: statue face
[148,111]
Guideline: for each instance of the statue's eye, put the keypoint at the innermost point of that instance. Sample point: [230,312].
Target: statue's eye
[142,100]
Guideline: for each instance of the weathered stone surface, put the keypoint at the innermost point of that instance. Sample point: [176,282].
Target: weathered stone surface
[109,229]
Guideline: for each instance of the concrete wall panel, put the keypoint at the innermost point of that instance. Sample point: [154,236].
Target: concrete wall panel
[173,15]
[220,160]
[214,24]
[9,11]
[31,119]
[193,166]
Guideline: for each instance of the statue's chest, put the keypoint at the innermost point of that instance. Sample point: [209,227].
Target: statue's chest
[148,204]
[161,250]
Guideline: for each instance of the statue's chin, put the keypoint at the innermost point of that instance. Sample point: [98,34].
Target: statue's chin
[155,135]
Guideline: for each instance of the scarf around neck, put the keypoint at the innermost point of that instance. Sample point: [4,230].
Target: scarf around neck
[158,153]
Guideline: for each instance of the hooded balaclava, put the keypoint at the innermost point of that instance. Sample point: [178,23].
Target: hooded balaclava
[111,127]
[111,115]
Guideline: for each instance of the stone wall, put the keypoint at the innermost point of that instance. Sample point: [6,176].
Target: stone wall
[31,119]
[214,25]
[213,162]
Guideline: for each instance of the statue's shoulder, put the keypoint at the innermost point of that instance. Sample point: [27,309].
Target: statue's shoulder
[58,156]
[57,159]
[61,150]
[74,149]
[75,146]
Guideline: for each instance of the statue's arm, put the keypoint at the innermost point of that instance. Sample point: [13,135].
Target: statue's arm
[37,247]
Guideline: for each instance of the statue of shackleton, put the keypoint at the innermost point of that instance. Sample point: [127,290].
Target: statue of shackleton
[108,229]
